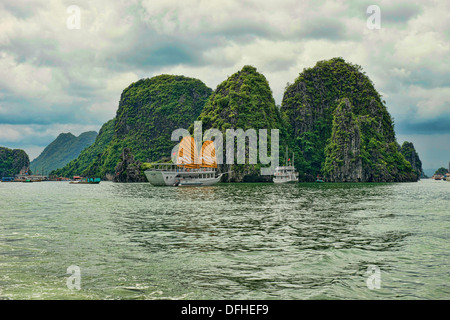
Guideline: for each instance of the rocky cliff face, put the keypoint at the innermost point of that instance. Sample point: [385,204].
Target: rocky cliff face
[12,162]
[409,152]
[340,126]
[128,169]
[353,154]
[344,149]
[243,101]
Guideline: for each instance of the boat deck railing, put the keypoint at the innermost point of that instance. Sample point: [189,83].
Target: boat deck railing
[285,168]
[178,168]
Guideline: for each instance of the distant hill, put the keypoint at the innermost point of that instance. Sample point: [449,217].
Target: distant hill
[12,161]
[61,151]
[88,155]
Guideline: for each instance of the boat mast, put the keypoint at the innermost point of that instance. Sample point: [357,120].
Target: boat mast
[286,155]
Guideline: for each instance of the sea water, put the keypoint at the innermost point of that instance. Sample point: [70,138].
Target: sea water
[228,241]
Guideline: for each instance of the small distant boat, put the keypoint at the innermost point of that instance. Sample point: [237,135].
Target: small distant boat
[287,173]
[81,180]
[318,179]
[184,171]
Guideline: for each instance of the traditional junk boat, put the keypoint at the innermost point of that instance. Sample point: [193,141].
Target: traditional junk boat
[184,171]
[286,174]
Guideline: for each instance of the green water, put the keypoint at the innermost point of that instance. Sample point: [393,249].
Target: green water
[229,241]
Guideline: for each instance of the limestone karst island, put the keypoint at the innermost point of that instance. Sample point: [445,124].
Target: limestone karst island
[332,121]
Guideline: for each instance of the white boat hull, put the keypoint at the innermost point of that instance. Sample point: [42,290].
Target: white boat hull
[281,181]
[199,182]
[161,178]
[172,178]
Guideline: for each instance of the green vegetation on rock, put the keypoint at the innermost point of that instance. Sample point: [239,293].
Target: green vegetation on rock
[80,165]
[332,118]
[12,162]
[340,127]
[441,171]
[409,152]
[61,151]
[149,111]
[243,101]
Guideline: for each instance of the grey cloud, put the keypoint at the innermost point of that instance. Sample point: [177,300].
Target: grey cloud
[243,30]
[394,12]
[438,125]
[279,65]
[159,55]
[399,13]
[29,111]
[426,78]
[22,9]
[323,28]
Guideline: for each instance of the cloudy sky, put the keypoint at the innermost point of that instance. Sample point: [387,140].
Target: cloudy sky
[55,78]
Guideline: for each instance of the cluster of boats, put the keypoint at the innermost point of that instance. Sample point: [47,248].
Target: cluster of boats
[191,169]
[185,171]
[445,177]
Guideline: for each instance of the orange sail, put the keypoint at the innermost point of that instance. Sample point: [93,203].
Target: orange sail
[209,155]
[187,154]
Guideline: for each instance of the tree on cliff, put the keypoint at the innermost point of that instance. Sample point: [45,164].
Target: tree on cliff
[441,171]
[12,162]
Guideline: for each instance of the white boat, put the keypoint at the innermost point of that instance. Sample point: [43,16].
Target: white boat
[169,174]
[287,173]
[185,172]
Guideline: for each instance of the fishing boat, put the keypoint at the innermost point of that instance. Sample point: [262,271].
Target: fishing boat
[287,173]
[319,179]
[185,171]
[81,180]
